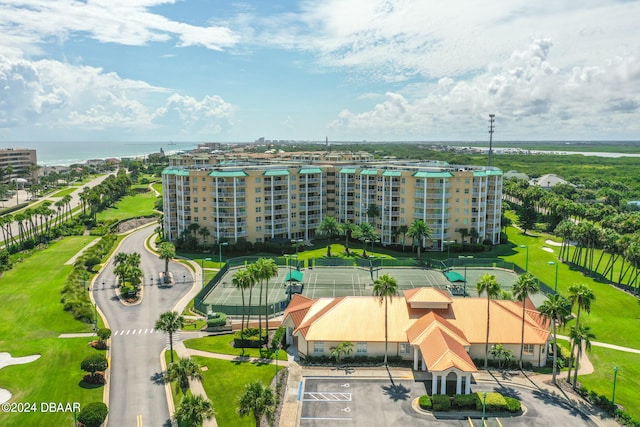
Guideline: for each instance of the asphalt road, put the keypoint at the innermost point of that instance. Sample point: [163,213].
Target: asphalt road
[137,395]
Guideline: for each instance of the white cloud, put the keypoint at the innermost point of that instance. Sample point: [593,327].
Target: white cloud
[127,22]
[54,95]
[529,95]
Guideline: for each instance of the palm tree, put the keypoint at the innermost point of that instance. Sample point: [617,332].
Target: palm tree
[330,228]
[268,269]
[204,232]
[364,232]
[385,287]
[345,348]
[193,410]
[258,399]
[502,354]
[491,287]
[167,252]
[251,268]
[182,371]
[581,295]
[241,280]
[347,228]
[581,335]
[419,231]
[170,322]
[523,288]
[556,309]
[403,229]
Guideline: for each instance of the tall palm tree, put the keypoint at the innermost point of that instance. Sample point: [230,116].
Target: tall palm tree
[269,269]
[403,229]
[556,309]
[193,410]
[489,285]
[583,296]
[347,228]
[170,322]
[364,232]
[251,268]
[241,280]
[167,252]
[419,231]
[182,371]
[258,399]
[204,232]
[581,335]
[331,228]
[523,288]
[385,287]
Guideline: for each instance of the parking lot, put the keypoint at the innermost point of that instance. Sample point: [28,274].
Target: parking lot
[350,401]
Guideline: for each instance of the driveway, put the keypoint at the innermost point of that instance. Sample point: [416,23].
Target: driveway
[137,395]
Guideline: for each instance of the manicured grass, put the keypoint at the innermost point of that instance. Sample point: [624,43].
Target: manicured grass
[157,186]
[222,344]
[614,314]
[64,192]
[129,207]
[30,321]
[628,380]
[224,382]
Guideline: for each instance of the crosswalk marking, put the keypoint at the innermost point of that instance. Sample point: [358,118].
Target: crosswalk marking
[144,332]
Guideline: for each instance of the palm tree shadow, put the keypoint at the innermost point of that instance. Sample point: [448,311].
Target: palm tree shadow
[158,378]
[396,392]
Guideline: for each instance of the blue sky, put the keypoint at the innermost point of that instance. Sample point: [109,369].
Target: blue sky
[211,70]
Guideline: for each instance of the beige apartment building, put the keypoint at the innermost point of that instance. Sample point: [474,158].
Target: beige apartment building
[263,199]
[17,163]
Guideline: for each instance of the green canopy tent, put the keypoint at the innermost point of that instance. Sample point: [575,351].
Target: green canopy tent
[456,279]
[297,287]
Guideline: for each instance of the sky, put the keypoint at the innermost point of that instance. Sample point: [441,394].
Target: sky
[375,70]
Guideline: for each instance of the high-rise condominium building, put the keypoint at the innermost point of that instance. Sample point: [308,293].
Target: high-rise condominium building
[260,200]
[17,163]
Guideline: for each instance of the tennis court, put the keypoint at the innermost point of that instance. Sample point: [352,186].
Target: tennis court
[319,282]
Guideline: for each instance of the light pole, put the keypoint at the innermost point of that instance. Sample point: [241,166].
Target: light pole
[464,260]
[202,268]
[526,268]
[448,243]
[220,245]
[297,242]
[556,264]
[484,405]
[615,377]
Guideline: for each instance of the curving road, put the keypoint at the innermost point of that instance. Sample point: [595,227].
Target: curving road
[137,394]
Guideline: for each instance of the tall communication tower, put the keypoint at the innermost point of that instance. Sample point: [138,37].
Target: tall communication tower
[492,119]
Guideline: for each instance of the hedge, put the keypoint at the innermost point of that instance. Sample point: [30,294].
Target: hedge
[467,401]
[94,414]
[219,319]
[495,402]
[441,402]
[425,402]
[513,404]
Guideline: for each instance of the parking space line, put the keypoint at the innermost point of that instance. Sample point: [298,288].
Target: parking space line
[326,396]
[328,418]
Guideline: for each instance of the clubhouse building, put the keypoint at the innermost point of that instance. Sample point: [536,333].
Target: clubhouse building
[261,199]
[440,334]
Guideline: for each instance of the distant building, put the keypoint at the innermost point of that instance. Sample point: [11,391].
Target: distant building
[547,181]
[18,163]
[514,174]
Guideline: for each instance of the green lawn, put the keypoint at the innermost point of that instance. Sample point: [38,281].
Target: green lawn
[64,192]
[224,382]
[627,383]
[129,207]
[30,321]
[157,186]
[222,344]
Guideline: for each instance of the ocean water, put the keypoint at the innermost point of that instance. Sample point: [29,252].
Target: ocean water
[66,153]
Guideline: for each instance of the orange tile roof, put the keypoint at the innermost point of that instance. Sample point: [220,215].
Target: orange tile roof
[442,351]
[427,295]
[428,323]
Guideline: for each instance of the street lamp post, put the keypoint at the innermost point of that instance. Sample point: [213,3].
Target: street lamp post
[556,264]
[615,377]
[484,405]
[220,245]
[526,268]
[297,242]
[202,268]
[464,260]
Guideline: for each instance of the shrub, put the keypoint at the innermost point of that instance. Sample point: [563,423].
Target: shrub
[217,319]
[97,378]
[425,402]
[278,338]
[441,402]
[467,401]
[94,363]
[513,404]
[104,334]
[495,402]
[93,415]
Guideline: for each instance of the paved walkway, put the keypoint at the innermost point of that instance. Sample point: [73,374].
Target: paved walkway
[606,345]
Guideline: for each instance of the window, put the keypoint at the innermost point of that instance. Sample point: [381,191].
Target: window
[258,228]
[361,348]
[204,199]
[258,209]
[258,189]
[293,187]
[318,347]
[258,180]
[258,199]
[258,219]
[204,209]
[195,200]
[196,219]
[195,190]
[204,218]
[466,191]
[528,349]
[195,210]
[195,179]
[405,348]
